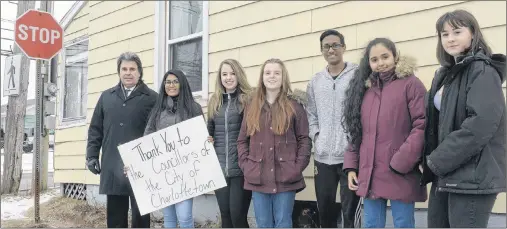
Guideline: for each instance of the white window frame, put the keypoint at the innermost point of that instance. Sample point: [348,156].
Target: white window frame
[163,46]
[76,121]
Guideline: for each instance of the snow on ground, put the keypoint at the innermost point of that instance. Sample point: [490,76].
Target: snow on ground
[15,207]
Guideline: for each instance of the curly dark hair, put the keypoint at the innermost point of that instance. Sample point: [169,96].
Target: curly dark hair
[351,119]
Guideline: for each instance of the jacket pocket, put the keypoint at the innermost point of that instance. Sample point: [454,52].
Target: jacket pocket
[289,171]
[253,169]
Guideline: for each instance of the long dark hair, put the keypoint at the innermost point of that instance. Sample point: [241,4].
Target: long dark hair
[351,119]
[460,18]
[186,105]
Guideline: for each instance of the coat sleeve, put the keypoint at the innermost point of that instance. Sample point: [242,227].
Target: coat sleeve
[303,140]
[243,143]
[485,106]
[96,130]
[410,152]
[211,126]
[351,159]
[313,119]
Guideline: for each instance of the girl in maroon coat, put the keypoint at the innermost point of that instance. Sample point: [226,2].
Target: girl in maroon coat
[274,147]
[384,119]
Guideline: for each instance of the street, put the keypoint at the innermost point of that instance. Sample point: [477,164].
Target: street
[26,178]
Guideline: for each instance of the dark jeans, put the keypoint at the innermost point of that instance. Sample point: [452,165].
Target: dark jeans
[234,202]
[453,210]
[118,209]
[326,179]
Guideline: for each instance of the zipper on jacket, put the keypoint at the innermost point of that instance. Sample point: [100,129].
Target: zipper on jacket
[227,136]
[333,132]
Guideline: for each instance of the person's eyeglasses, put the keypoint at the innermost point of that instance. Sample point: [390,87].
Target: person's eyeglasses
[326,47]
[173,82]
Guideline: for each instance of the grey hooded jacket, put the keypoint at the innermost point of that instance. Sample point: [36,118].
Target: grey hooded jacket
[325,98]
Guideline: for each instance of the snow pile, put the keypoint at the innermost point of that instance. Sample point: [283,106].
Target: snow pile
[15,207]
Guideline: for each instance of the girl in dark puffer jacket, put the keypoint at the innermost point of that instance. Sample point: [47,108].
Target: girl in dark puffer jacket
[225,114]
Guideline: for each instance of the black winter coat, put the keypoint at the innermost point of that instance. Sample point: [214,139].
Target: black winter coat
[115,121]
[466,142]
[224,128]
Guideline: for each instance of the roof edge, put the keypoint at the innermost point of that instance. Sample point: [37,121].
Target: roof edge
[73,11]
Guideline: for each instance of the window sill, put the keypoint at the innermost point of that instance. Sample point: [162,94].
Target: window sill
[71,124]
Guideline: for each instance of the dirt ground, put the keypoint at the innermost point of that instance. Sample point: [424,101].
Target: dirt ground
[62,212]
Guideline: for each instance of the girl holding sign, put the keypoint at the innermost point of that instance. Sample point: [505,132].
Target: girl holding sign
[274,147]
[174,104]
[225,114]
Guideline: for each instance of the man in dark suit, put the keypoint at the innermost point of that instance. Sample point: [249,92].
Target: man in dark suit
[120,116]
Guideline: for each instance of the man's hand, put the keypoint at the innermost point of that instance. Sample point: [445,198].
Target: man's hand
[210,139]
[93,165]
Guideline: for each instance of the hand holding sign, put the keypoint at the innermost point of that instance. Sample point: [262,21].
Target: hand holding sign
[172,165]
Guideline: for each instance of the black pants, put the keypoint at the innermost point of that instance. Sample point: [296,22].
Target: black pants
[234,202]
[326,179]
[453,210]
[118,209]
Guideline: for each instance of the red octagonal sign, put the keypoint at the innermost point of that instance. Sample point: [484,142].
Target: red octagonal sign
[38,34]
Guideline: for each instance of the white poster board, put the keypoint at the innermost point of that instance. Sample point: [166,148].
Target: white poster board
[172,165]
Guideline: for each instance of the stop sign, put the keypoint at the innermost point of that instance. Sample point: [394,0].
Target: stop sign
[38,34]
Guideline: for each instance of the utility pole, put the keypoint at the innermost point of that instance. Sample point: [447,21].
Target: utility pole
[46,108]
[43,121]
[15,121]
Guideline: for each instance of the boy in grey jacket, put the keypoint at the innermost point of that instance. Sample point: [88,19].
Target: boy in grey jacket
[326,92]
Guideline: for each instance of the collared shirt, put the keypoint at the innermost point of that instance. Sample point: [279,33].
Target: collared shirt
[128,91]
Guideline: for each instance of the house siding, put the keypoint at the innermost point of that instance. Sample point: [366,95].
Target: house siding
[285,30]
[112,28]
[290,31]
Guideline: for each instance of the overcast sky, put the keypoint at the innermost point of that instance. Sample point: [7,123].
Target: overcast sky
[9,12]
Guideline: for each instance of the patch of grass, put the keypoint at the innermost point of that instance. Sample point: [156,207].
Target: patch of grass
[63,212]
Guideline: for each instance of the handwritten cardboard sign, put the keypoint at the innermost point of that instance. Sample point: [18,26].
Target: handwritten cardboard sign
[172,165]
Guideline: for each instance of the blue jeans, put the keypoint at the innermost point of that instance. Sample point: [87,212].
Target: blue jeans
[180,212]
[375,213]
[273,210]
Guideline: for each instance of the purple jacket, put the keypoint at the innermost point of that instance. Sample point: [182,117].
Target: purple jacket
[393,120]
[274,163]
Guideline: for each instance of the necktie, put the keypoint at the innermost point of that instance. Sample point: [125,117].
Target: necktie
[127,92]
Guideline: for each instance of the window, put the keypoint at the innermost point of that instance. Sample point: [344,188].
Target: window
[187,41]
[74,82]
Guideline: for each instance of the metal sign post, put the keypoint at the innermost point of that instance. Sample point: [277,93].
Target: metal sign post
[39,82]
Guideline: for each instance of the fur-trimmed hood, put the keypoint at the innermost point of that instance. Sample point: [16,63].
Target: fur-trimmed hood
[405,66]
[300,97]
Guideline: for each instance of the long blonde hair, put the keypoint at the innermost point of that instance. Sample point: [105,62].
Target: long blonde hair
[243,88]
[282,108]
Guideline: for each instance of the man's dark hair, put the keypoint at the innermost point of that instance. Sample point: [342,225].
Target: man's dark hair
[130,56]
[330,32]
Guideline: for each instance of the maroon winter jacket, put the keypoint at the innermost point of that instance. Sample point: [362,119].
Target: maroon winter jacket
[393,119]
[274,163]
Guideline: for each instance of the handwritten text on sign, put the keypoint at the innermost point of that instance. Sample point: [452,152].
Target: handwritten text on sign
[172,165]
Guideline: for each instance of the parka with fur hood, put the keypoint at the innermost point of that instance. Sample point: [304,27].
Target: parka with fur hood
[274,163]
[393,119]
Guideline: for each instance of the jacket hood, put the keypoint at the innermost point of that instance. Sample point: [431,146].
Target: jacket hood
[405,66]
[498,61]
[300,96]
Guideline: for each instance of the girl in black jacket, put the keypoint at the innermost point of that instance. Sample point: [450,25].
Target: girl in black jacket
[225,114]
[465,136]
